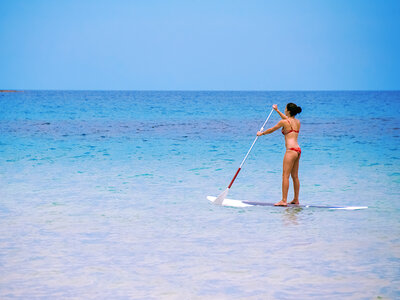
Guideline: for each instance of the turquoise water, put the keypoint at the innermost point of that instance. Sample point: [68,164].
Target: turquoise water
[103,196]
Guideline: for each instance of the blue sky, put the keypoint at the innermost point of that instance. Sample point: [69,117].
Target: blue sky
[200,45]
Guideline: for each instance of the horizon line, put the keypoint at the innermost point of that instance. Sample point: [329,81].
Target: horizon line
[194,90]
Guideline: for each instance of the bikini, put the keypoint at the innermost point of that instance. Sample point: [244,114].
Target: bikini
[297,149]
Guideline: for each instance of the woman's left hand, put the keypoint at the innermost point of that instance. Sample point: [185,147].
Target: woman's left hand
[259,133]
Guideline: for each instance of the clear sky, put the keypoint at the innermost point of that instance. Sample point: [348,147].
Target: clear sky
[200,45]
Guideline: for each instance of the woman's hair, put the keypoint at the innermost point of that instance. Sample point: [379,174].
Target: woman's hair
[293,109]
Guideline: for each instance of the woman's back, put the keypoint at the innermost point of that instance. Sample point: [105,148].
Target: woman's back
[291,130]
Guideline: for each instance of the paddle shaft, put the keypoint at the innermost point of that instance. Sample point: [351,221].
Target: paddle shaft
[248,152]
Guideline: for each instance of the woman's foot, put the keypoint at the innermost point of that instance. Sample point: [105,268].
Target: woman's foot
[281,203]
[295,201]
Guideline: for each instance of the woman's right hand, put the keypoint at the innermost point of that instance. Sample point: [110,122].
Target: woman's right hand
[275,107]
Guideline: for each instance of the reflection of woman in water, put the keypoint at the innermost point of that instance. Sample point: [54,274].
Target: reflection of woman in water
[290,129]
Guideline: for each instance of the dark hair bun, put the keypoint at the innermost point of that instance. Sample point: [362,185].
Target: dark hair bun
[298,109]
[293,109]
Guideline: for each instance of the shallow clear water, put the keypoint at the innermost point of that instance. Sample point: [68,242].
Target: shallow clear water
[103,195]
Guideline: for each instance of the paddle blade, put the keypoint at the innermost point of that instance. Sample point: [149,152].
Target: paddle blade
[221,197]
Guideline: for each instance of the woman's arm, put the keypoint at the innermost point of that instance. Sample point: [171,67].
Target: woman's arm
[283,116]
[272,129]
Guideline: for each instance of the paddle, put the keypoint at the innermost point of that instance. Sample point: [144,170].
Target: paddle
[222,196]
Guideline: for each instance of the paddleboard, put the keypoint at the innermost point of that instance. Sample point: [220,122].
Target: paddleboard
[244,203]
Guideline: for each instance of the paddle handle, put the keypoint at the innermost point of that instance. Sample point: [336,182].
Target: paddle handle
[248,152]
[255,140]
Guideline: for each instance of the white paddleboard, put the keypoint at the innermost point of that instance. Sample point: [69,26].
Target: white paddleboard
[245,203]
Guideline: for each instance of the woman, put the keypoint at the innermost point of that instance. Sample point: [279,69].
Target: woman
[290,129]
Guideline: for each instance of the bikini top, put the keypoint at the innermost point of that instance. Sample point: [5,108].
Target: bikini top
[291,129]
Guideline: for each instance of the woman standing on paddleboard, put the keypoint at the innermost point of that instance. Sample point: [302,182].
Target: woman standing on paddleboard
[290,129]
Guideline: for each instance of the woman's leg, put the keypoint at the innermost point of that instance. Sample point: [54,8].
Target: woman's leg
[296,181]
[288,161]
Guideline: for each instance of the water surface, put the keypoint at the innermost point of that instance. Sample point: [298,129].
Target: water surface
[103,196]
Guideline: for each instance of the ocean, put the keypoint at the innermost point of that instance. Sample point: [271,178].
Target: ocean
[103,196]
